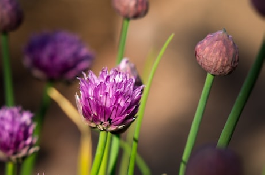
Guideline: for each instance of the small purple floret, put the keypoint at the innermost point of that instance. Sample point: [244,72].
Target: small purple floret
[57,56]
[16,134]
[110,101]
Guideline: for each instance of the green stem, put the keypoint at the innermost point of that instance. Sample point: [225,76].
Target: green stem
[115,142]
[142,108]
[242,98]
[139,160]
[123,35]
[28,164]
[99,153]
[116,138]
[126,154]
[103,166]
[7,71]
[196,122]
[11,168]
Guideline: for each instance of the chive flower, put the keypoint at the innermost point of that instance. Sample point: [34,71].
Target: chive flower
[217,54]
[57,56]
[210,160]
[11,15]
[16,134]
[110,101]
[259,6]
[131,9]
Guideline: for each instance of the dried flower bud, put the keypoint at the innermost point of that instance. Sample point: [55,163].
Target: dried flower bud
[259,6]
[131,9]
[16,134]
[128,67]
[210,160]
[57,56]
[217,53]
[11,15]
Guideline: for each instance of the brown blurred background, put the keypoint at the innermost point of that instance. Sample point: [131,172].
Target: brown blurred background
[176,87]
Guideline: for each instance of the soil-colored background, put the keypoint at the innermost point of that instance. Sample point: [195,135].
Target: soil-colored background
[176,87]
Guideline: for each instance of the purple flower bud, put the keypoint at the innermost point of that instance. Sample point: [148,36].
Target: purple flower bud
[108,102]
[217,53]
[16,134]
[57,56]
[210,160]
[131,9]
[11,15]
[128,67]
[259,6]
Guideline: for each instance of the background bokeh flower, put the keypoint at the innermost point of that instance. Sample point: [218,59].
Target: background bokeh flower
[57,55]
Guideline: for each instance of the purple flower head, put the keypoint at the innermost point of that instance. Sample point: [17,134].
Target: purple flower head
[110,101]
[11,15]
[57,56]
[16,134]
[127,66]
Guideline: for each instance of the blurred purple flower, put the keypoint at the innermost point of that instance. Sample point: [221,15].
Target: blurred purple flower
[11,15]
[110,101]
[57,56]
[128,67]
[16,134]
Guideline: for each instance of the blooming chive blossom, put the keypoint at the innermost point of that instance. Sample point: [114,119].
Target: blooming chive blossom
[109,102]
[57,56]
[16,134]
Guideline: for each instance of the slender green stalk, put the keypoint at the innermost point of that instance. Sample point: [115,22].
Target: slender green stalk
[126,154]
[28,164]
[9,97]
[103,166]
[196,122]
[11,168]
[242,98]
[99,152]
[129,137]
[116,138]
[139,160]
[123,35]
[142,107]
[115,142]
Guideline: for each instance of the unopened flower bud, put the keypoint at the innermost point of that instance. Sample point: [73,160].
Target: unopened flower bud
[210,160]
[259,6]
[217,53]
[131,9]
[11,15]
[128,67]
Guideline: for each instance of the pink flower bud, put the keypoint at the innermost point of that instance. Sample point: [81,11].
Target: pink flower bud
[132,9]
[217,53]
[11,15]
